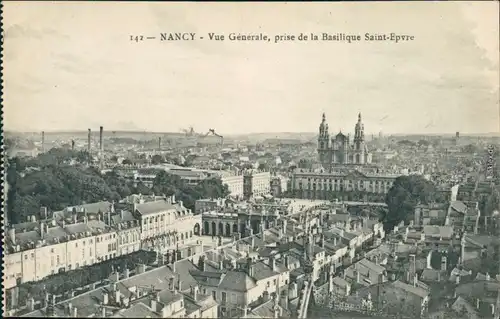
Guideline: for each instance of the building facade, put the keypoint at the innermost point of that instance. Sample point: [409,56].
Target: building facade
[338,150]
[353,185]
[256,184]
[166,223]
[234,184]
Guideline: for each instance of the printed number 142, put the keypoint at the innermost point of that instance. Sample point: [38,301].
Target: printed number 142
[136,38]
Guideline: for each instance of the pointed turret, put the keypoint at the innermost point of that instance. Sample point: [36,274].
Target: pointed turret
[323,140]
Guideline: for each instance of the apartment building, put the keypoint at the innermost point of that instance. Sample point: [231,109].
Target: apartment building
[166,223]
[256,184]
[234,184]
[36,250]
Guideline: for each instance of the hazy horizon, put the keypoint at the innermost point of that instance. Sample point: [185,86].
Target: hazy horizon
[71,66]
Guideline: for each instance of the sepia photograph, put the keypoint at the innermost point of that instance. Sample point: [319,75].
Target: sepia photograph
[251,160]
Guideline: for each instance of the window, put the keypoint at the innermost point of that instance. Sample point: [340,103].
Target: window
[268,284]
[214,295]
[58,260]
[25,257]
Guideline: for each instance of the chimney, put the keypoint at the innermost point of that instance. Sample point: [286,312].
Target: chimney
[173,265]
[42,229]
[443,263]
[75,217]
[105,299]
[179,285]
[195,293]
[75,312]
[287,261]
[31,304]
[272,263]
[356,274]
[101,147]
[245,311]
[250,267]
[43,142]
[89,146]
[265,296]
[12,235]
[276,312]
[127,273]
[221,264]
[70,308]
[153,304]
[121,214]
[109,218]
[103,312]
[284,300]
[117,296]
[335,241]
[252,242]
[330,282]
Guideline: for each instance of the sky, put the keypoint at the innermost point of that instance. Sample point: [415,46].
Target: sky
[72,66]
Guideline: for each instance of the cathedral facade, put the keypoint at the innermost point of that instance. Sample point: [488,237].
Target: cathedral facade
[338,150]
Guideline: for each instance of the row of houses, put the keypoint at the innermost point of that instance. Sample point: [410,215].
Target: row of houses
[88,234]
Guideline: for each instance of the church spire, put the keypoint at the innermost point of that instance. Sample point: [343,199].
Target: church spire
[359,117]
[324,117]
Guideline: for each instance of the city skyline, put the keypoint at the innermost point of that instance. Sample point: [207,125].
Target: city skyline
[57,78]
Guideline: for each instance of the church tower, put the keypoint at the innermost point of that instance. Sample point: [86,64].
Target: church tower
[359,142]
[323,141]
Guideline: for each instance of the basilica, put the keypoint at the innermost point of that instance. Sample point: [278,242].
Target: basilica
[338,149]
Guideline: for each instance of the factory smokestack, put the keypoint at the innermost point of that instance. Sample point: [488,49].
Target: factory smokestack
[72,145]
[159,144]
[88,146]
[88,141]
[101,148]
[43,142]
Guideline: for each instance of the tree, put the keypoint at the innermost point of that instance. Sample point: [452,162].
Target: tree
[404,195]
[127,161]
[263,166]
[157,159]
[492,203]
[303,163]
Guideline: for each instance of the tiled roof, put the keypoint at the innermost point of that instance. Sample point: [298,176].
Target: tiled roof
[262,271]
[369,265]
[422,293]
[458,206]
[441,231]
[154,207]
[138,310]
[102,207]
[237,281]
